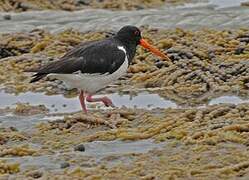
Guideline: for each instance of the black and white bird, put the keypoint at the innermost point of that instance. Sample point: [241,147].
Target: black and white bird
[92,66]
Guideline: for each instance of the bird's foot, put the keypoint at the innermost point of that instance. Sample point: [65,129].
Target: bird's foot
[107,102]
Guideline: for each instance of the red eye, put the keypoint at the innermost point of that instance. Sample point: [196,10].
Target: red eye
[136,33]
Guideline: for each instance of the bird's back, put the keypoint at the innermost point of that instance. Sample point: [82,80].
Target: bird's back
[92,57]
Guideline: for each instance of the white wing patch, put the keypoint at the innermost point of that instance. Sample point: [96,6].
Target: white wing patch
[122,49]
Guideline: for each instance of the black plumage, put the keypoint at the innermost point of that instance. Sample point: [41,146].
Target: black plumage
[86,58]
[92,66]
[92,57]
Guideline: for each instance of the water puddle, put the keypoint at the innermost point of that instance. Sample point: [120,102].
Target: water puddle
[214,4]
[226,3]
[95,152]
[25,123]
[19,122]
[228,100]
[58,103]
[106,148]
[116,152]
[48,162]
[142,100]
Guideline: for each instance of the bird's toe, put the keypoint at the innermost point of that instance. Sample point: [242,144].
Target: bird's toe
[107,102]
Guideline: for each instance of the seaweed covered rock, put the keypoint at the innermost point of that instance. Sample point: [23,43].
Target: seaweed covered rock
[72,5]
[191,139]
[8,168]
[196,70]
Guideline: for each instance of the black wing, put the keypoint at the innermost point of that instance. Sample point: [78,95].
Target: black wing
[92,57]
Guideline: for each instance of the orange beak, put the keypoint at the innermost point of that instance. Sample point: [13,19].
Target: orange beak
[154,50]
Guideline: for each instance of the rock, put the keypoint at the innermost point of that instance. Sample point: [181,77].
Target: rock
[83,2]
[174,57]
[211,55]
[5,52]
[239,50]
[64,165]
[71,5]
[245,4]
[27,6]
[26,109]
[138,7]
[181,53]
[244,39]
[7,17]
[187,55]
[165,44]
[160,64]
[79,147]
[13,128]
[246,85]
[35,174]
[172,50]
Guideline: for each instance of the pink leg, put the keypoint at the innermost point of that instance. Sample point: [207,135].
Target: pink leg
[82,101]
[105,100]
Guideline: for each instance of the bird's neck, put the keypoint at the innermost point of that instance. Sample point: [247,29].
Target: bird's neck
[131,51]
[130,48]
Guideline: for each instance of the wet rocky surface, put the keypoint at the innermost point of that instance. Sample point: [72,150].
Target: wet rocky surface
[245,3]
[179,143]
[184,119]
[72,5]
[192,17]
[197,69]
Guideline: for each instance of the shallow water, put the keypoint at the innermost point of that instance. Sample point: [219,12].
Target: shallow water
[193,16]
[45,162]
[228,100]
[21,123]
[226,3]
[106,148]
[25,123]
[143,100]
[97,150]
[58,103]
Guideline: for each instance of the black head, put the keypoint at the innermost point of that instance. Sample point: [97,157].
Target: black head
[130,35]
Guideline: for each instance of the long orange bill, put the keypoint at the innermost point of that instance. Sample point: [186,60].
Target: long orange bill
[146,45]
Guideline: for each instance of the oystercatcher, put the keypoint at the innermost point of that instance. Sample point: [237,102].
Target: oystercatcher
[92,66]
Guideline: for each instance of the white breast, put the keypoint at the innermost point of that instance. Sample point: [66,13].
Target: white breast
[92,83]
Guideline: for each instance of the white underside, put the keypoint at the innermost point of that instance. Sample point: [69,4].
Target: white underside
[92,83]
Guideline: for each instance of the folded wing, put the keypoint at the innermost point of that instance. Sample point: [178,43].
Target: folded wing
[93,57]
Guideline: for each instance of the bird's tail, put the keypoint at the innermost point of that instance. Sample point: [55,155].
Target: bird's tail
[37,77]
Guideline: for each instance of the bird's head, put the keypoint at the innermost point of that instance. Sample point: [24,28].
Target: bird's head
[132,35]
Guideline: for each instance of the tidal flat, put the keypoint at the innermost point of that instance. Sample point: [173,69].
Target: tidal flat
[183,119]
